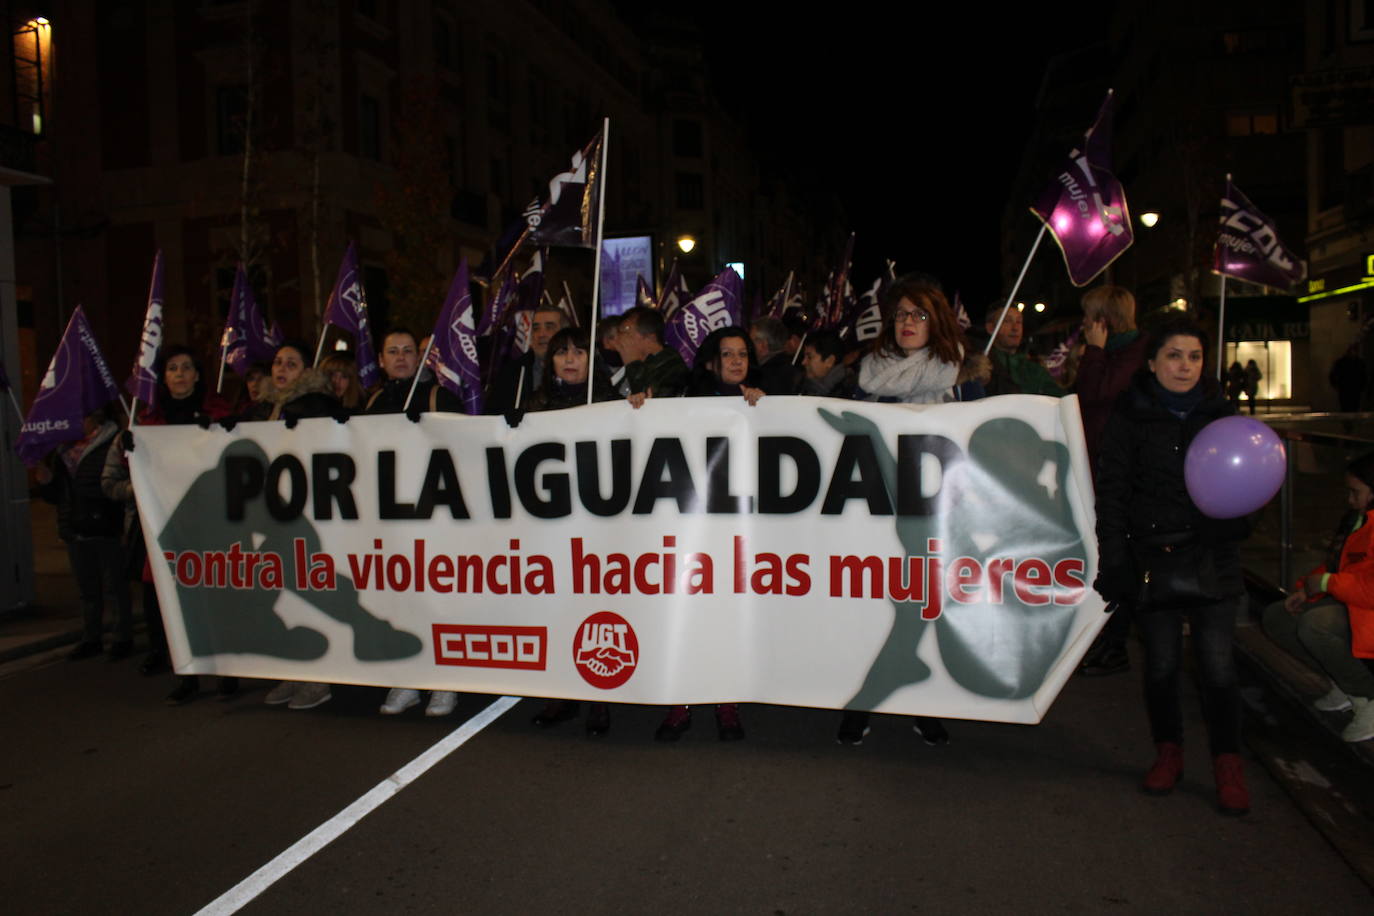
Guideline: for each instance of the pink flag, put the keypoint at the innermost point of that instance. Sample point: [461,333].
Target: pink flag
[1084,208]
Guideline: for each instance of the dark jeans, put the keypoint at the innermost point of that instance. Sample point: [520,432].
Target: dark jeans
[1319,636]
[98,564]
[1162,633]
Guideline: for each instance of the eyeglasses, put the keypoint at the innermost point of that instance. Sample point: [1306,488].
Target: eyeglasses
[907,315]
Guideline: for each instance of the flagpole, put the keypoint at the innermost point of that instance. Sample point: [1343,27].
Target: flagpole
[520,386]
[801,346]
[1221,328]
[134,413]
[15,401]
[223,351]
[319,348]
[572,309]
[1015,287]
[418,369]
[596,275]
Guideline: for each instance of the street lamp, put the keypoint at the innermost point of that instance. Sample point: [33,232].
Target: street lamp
[686,243]
[1149,218]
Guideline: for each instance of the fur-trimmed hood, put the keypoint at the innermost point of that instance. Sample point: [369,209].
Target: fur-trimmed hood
[310,381]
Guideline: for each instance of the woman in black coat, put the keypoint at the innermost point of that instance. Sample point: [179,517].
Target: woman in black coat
[1161,557]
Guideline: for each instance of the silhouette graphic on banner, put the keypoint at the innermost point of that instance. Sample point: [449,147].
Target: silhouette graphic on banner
[244,620]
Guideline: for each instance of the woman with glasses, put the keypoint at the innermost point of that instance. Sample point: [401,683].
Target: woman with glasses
[917,357]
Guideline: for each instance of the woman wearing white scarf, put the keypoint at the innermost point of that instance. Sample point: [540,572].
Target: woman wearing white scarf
[916,358]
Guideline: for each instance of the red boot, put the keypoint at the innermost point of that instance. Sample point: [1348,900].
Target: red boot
[1167,769]
[1232,796]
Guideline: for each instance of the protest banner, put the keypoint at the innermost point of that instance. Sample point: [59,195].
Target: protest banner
[807,551]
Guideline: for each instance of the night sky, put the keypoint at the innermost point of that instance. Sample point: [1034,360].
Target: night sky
[918,118]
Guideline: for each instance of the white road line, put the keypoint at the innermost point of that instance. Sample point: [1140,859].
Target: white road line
[247,889]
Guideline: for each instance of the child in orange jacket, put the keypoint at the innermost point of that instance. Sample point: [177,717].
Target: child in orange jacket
[1328,622]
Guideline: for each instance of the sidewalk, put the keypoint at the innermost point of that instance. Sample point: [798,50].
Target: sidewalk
[54,619]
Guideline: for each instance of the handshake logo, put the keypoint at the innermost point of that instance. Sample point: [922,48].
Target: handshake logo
[605,650]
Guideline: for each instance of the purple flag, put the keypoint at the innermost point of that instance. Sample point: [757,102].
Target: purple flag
[246,339]
[675,292]
[78,381]
[865,321]
[453,354]
[1248,246]
[142,383]
[778,304]
[347,309]
[716,306]
[521,322]
[1084,208]
[643,295]
[498,304]
[567,216]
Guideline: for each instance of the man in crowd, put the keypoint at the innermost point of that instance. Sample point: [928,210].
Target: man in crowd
[776,373]
[652,369]
[1012,371]
[520,378]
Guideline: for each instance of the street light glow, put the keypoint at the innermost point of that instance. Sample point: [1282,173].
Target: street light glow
[1039,306]
[686,243]
[1149,218]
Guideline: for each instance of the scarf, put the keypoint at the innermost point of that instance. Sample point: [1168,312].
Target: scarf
[920,378]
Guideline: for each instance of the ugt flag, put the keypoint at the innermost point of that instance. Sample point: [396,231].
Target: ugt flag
[568,215]
[142,383]
[716,306]
[1248,246]
[347,309]
[77,382]
[247,339]
[1084,208]
[453,352]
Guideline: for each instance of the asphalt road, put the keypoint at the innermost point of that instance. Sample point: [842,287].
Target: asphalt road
[114,802]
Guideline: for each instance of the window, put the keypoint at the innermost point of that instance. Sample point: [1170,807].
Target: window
[369,127]
[231,113]
[690,191]
[1252,123]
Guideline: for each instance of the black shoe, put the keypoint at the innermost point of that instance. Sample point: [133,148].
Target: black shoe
[155,663]
[120,650]
[84,650]
[932,731]
[228,688]
[1111,660]
[853,728]
[555,712]
[598,720]
[675,725]
[184,692]
[728,725]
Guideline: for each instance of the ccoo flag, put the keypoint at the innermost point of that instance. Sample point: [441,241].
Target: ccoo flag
[1084,208]
[347,309]
[716,306]
[247,339]
[453,353]
[1248,246]
[77,382]
[142,383]
[567,216]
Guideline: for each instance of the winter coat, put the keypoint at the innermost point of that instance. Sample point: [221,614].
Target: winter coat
[1352,584]
[429,396]
[559,395]
[1141,489]
[83,510]
[1016,373]
[664,372]
[1103,374]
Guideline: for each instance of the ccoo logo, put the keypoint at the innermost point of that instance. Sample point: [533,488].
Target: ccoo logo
[605,650]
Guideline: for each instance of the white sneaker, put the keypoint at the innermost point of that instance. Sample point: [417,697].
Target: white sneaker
[282,693]
[1361,728]
[398,700]
[1334,700]
[308,696]
[441,703]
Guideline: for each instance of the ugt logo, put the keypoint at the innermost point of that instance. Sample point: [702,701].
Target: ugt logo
[605,650]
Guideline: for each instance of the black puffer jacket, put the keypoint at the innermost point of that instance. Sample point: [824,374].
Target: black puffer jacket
[1141,488]
[83,510]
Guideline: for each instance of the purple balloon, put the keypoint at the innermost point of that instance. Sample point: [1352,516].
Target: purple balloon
[1234,466]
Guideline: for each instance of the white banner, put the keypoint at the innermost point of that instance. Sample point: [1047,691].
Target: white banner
[806,552]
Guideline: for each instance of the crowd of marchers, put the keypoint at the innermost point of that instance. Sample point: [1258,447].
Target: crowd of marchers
[1142,397]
